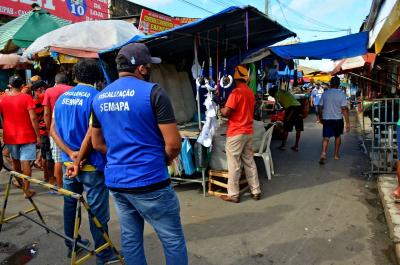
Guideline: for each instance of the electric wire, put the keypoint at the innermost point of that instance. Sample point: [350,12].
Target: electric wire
[196,6]
[309,19]
[283,13]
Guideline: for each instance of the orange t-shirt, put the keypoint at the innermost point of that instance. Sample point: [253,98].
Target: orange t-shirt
[241,101]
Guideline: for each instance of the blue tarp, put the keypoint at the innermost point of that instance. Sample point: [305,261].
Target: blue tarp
[335,49]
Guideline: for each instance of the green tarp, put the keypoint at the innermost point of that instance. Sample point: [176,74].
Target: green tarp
[22,31]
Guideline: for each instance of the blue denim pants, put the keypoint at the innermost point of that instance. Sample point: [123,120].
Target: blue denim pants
[97,198]
[161,210]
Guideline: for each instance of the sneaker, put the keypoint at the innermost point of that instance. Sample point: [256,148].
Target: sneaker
[78,249]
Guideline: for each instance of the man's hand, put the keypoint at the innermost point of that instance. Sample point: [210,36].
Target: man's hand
[347,127]
[73,155]
[72,171]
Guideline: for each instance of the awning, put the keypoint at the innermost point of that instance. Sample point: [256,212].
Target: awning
[387,22]
[233,31]
[344,65]
[334,49]
[22,31]
[358,61]
[8,61]
[85,39]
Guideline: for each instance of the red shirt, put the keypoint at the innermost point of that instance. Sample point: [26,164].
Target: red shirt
[39,109]
[241,101]
[52,94]
[17,125]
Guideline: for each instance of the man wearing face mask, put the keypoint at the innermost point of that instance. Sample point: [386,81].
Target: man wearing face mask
[134,124]
[71,132]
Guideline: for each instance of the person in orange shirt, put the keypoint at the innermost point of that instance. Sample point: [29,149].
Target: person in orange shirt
[239,110]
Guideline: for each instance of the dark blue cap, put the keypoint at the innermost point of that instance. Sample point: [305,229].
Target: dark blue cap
[135,54]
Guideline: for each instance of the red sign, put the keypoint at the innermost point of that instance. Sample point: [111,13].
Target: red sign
[152,22]
[72,10]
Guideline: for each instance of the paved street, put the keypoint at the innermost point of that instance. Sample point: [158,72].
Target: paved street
[309,214]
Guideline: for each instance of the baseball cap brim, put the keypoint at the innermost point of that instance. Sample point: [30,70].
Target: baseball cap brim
[155,60]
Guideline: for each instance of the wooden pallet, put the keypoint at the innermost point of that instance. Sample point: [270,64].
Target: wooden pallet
[218,183]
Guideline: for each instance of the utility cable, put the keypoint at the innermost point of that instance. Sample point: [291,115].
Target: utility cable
[309,19]
[196,6]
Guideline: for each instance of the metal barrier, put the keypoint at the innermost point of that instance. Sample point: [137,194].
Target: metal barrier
[80,201]
[384,115]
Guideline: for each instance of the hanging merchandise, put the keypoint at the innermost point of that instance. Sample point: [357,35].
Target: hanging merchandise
[209,83]
[260,78]
[226,81]
[200,82]
[208,131]
[196,68]
[253,78]
[175,169]
[186,157]
[200,156]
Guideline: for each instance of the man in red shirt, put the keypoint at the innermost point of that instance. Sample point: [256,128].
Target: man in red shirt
[239,143]
[46,161]
[50,97]
[20,129]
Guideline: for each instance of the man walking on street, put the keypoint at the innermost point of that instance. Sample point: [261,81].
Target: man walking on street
[141,137]
[332,109]
[239,109]
[69,129]
[293,116]
[50,97]
[20,130]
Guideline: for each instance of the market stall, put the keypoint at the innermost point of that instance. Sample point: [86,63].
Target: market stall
[196,57]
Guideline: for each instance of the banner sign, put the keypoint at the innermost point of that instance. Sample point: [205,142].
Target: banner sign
[72,10]
[186,20]
[152,22]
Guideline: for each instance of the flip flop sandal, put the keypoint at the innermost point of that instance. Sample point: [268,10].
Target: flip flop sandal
[282,148]
[322,160]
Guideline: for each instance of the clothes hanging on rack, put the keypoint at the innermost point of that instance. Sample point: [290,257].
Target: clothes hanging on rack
[187,157]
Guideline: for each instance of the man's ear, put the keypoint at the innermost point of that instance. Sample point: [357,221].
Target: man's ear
[142,69]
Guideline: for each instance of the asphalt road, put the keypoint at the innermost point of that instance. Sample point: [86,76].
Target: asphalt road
[309,214]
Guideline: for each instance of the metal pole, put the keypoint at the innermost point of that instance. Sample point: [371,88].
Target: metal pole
[266,7]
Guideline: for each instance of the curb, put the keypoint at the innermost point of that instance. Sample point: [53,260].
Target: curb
[386,184]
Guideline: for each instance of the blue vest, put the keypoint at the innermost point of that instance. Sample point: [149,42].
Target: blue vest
[135,146]
[72,114]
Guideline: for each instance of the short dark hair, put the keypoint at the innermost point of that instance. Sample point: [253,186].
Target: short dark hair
[335,81]
[123,64]
[16,81]
[39,84]
[61,78]
[87,71]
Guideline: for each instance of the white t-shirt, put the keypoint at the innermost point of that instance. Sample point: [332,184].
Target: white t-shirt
[332,101]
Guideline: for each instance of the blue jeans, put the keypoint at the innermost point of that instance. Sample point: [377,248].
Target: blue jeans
[97,198]
[161,210]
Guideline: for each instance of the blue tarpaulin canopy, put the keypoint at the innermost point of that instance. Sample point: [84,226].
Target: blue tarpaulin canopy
[334,49]
[232,31]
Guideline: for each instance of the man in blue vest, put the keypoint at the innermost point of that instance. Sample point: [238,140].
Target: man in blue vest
[134,124]
[69,129]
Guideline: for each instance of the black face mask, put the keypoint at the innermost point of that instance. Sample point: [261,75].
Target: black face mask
[146,77]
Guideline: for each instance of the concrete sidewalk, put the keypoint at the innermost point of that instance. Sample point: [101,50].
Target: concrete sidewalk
[309,214]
